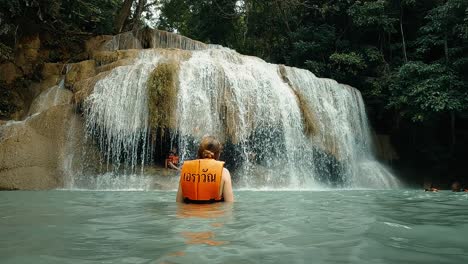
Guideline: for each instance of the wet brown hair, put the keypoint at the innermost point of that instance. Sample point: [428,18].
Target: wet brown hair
[210,148]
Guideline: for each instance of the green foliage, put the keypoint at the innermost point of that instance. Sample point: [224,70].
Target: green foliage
[6,53]
[208,21]
[351,62]
[372,15]
[446,23]
[89,16]
[312,44]
[58,16]
[421,90]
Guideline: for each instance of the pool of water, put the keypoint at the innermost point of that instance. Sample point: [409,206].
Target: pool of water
[405,226]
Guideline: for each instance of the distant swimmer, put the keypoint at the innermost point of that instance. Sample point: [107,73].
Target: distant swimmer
[172,160]
[456,187]
[205,180]
[431,189]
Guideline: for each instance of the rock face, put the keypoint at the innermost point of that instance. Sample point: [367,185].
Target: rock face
[30,150]
[16,73]
[27,53]
[80,71]
[9,72]
[55,95]
[384,148]
[33,151]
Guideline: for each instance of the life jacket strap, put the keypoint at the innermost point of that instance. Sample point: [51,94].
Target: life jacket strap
[188,201]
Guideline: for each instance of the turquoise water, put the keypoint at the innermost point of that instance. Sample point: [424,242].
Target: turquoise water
[261,227]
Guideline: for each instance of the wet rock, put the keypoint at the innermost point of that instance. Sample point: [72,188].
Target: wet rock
[30,42]
[96,44]
[80,71]
[84,88]
[123,41]
[113,65]
[105,57]
[52,96]
[51,69]
[30,150]
[27,53]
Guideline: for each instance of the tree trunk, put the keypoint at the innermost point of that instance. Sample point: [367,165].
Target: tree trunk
[282,13]
[137,15]
[403,35]
[446,48]
[122,16]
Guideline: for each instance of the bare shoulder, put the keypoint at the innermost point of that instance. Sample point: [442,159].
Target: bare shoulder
[227,193]
[226,175]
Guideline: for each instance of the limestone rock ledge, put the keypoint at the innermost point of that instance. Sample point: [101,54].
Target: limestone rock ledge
[30,150]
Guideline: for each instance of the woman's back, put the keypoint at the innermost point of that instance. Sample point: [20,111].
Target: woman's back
[205,180]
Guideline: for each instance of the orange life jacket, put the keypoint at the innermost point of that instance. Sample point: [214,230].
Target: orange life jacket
[201,180]
[173,159]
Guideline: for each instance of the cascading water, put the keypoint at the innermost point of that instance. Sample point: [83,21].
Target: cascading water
[244,100]
[257,107]
[282,127]
[153,39]
[55,95]
[117,113]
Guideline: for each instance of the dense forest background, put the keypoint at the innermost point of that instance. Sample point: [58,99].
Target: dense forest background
[409,58]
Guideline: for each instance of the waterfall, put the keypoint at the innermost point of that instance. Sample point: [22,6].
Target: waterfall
[153,38]
[117,113]
[281,127]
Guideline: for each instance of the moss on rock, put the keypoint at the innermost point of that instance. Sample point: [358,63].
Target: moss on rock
[162,95]
[308,116]
[105,57]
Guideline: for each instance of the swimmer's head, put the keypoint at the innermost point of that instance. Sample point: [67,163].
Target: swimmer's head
[210,148]
[456,187]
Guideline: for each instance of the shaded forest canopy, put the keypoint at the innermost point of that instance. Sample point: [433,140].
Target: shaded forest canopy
[409,58]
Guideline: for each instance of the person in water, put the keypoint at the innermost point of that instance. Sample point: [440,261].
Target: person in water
[205,180]
[432,189]
[456,187]
[172,160]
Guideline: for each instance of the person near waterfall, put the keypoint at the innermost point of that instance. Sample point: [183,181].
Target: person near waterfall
[172,160]
[205,180]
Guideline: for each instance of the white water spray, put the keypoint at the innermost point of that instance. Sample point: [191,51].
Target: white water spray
[257,109]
